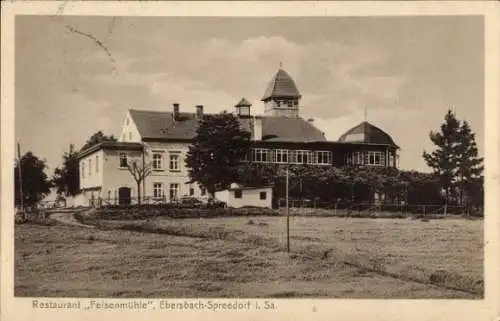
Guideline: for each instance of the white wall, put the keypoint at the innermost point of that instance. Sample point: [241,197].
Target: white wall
[111,177]
[77,200]
[94,177]
[129,132]
[167,176]
[249,197]
[115,176]
[223,196]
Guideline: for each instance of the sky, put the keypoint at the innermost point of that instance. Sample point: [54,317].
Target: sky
[77,75]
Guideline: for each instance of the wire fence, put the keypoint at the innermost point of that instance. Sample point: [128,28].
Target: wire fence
[343,208]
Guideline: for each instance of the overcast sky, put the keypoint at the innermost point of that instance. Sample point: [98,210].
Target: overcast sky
[407,71]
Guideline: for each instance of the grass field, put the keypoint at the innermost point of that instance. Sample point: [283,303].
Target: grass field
[227,257]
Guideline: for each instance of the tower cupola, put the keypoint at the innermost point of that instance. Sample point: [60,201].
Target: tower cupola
[281,97]
[243,108]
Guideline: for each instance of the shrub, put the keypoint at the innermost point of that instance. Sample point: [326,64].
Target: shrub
[144,212]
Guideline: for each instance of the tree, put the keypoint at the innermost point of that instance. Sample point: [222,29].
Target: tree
[218,148]
[139,172]
[96,138]
[443,160]
[469,166]
[35,184]
[67,177]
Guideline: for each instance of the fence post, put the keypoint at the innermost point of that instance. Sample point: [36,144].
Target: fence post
[445,209]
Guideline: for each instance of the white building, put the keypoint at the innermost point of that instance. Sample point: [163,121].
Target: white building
[239,196]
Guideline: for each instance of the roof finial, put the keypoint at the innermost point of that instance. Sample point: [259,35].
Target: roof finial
[281,64]
[366,114]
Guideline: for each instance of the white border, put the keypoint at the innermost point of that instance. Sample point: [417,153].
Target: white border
[487,309]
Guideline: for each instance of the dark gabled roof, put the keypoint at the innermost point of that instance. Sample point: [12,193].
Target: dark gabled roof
[367,133]
[157,124]
[281,85]
[154,125]
[243,103]
[110,145]
[287,129]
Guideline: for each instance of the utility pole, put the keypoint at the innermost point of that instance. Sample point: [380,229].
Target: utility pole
[20,177]
[287,216]
[143,169]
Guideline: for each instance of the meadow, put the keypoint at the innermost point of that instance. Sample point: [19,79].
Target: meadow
[247,257]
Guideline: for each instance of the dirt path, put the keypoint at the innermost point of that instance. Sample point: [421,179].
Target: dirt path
[68,219]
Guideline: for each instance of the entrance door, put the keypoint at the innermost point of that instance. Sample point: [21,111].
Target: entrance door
[124,196]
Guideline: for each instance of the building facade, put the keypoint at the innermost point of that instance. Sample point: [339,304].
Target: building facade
[162,139]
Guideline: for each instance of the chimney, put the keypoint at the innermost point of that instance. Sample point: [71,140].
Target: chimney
[199,111]
[257,128]
[175,111]
[310,120]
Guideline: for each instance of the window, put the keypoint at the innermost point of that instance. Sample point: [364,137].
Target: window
[123,160]
[238,193]
[260,155]
[290,103]
[158,190]
[174,163]
[281,156]
[355,137]
[303,156]
[368,158]
[90,167]
[323,158]
[97,163]
[83,170]
[263,195]
[357,158]
[375,158]
[391,160]
[157,161]
[174,191]
[203,191]
[191,191]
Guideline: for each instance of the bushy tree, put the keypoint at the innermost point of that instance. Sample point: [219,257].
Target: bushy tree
[35,184]
[219,146]
[96,138]
[67,177]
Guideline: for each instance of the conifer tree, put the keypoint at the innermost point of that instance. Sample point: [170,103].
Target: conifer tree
[469,165]
[443,160]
